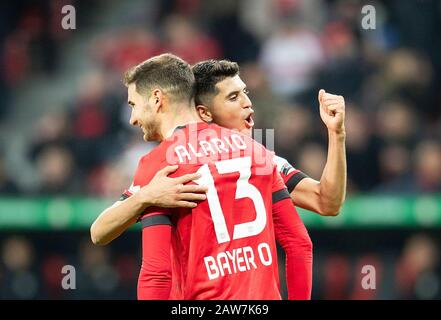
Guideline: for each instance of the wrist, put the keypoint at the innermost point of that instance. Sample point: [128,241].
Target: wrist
[144,198]
[338,133]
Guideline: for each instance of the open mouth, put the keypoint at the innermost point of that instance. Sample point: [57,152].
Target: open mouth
[249,122]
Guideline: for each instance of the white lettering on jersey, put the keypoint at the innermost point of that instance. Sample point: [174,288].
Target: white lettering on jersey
[237,260]
[212,146]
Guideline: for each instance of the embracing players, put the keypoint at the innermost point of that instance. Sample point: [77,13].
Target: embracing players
[222,97]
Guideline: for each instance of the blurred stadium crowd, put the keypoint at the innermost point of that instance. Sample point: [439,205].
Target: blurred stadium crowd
[287,50]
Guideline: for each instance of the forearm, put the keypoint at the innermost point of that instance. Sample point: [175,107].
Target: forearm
[332,187]
[155,277]
[116,219]
[292,235]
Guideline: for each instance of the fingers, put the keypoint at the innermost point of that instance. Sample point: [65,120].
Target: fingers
[188,177]
[194,188]
[320,95]
[323,95]
[186,204]
[330,102]
[333,107]
[192,196]
[168,170]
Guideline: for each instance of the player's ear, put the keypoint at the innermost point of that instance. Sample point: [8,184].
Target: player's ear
[204,113]
[157,99]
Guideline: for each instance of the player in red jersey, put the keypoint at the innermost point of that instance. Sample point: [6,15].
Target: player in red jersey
[222,97]
[236,265]
[224,248]
[221,79]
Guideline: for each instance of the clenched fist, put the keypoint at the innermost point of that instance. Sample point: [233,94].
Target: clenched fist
[332,111]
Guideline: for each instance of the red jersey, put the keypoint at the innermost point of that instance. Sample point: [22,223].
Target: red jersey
[225,247]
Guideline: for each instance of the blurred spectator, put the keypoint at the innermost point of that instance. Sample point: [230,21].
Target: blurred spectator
[336,272]
[95,121]
[266,104]
[312,160]
[52,276]
[293,125]
[96,276]
[260,16]
[20,280]
[397,122]
[7,185]
[108,181]
[394,163]
[291,56]
[51,129]
[428,166]
[127,267]
[407,74]
[188,42]
[425,176]
[361,150]
[343,71]
[56,168]
[125,49]
[417,270]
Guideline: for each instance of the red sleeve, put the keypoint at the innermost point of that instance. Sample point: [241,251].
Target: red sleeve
[292,235]
[278,183]
[154,282]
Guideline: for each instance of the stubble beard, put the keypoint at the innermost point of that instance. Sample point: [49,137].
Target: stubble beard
[152,131]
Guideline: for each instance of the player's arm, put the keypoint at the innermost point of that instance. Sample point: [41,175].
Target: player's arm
[155,277]
[326,196]
[162,191]
[292,235]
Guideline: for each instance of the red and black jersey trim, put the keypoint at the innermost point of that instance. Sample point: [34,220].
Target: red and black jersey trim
[294,180]
[155,220]
[280,195]
[123,197]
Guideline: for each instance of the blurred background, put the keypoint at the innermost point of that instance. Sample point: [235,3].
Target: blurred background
[67,151]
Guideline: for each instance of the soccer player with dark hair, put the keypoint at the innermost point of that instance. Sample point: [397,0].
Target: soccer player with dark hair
[224,248]
[222,97]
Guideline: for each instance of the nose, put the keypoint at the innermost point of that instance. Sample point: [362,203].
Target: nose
[133,120]
[247,102]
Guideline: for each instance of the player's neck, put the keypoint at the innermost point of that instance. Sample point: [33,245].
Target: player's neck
[183,115]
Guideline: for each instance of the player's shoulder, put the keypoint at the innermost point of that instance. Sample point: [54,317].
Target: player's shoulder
[151,161]
[279,160]
[283,165]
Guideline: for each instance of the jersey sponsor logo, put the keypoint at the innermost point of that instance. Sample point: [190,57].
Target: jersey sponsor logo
[238,260]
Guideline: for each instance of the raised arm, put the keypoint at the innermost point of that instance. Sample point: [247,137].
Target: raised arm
[326,196]
[162,191]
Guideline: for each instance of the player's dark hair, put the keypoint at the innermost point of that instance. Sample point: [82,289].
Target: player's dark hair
[166,71]
[208,73]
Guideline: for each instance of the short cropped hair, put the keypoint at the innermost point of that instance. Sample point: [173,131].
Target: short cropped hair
[167,71]
[208,73]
